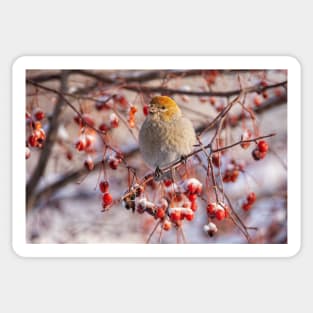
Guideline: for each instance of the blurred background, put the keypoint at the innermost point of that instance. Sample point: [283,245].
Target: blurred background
[63,198]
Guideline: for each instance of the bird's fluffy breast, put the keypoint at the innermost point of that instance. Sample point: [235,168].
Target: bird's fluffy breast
[162,143]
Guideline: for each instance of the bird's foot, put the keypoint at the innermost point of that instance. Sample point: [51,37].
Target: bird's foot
[158,174]
[183,159]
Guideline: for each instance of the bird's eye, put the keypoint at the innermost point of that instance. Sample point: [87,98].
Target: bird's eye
[163,107]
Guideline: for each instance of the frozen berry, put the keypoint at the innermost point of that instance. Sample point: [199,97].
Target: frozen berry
[220,214]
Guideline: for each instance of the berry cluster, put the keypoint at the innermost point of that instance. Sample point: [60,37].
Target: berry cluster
[178,204]
[107,198]
[85,142]
[220,211]
[84,119]
[37,135]
[260,151]
[232,171]
[115,160]
[250,199]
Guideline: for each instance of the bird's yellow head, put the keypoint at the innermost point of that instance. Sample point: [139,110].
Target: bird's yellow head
[164,108]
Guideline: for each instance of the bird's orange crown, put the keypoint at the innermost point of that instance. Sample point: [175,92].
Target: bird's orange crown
[166,106]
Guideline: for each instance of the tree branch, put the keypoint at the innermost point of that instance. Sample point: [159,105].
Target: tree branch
[50,140]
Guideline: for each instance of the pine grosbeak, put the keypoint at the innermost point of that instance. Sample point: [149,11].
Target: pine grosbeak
[165,135]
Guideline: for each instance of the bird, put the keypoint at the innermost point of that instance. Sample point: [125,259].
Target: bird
[166,135]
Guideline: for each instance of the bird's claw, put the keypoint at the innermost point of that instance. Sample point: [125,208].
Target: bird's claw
[183,158]
[158,173]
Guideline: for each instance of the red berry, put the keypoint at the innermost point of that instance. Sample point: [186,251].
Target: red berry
[175,216]
[251,197]
[194,206]
[160,213]
[103,127]
[80,145]
[104,186]
[32,140]
[113,163]
[88,120]
[37,125]
[69,155]
[39,115]
[216,160]
[114,121]
[167,225]
[192,188]
[145,110]
[189,215]
[265,94]
[220,214]
[278,92]
[234,175]
[257,101]
[89,141]
[212,100]
[192,197]
[263,146]
[246,206]
[89,164]
[106,199]
[258,155]
[211,208]
[122,100]
[167,182]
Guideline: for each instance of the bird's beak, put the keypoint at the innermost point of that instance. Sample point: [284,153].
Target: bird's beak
[152,110]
